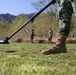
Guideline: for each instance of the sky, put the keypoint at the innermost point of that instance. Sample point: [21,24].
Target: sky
[16,7]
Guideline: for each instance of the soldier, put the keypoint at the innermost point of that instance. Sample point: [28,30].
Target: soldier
[50,36]
[65,15]
[32,35]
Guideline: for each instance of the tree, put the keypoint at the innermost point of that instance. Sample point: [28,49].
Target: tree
[3,29]
[49,16]
[53,9]
[17,23]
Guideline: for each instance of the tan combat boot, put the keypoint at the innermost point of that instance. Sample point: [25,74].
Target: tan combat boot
[60,46]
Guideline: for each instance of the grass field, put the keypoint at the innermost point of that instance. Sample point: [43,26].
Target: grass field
[26,59]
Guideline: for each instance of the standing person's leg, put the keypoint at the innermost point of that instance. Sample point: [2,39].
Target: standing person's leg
[31,40]
[65,15]
[49,39]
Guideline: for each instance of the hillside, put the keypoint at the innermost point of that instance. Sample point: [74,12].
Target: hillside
[7,18]
[41,25]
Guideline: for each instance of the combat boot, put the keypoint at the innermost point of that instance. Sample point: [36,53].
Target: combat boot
[60,46]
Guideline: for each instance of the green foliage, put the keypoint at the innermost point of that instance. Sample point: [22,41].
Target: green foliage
[53,10]
[43,23]
[3,29]
[17,23]
[26,59]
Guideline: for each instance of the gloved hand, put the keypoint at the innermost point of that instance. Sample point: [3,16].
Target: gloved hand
[53,1]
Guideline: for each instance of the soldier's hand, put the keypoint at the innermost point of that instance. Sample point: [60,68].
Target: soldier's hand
[53,1]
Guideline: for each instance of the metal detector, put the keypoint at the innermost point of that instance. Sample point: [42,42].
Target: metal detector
[5,41]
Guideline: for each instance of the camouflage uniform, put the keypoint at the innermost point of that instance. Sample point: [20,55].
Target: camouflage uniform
[65,15]
[67,7]
[74,5]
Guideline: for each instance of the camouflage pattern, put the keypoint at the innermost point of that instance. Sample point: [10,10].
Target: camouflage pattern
[65,15]
[74,5]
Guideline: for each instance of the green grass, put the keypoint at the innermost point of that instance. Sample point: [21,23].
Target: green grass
[26,59]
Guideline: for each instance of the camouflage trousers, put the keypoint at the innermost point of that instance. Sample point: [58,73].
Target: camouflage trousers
[50,39]
[65,15]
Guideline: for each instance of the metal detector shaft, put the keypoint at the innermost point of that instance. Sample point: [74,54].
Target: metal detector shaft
[30,20]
